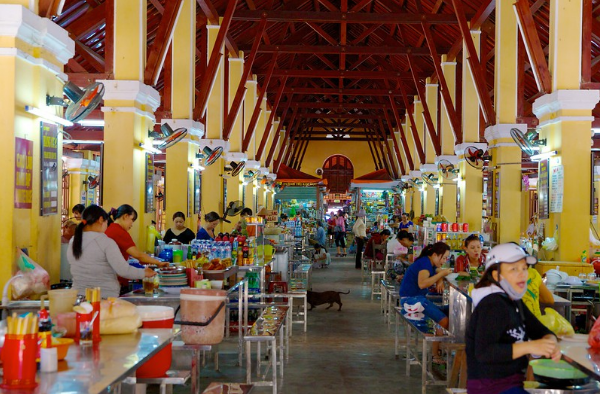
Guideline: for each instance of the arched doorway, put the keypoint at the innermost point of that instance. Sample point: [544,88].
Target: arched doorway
[339,171]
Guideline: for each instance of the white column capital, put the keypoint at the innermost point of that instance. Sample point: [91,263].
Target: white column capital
[264,170]
[428,168]
[252,165]
[194,128]
[501,131]
[453,159]
[135,91]
[236,156]
[414,174]
[561,100]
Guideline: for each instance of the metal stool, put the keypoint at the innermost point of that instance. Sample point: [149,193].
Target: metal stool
[376,277]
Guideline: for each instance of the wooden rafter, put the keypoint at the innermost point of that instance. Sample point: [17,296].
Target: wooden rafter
[435,138]
[535,51]
[586,42]
[286,107]
[287,139]
[413,126]
[474,64]
[257,107]
[387,148]
[208,79]
[339,17]
[164,34]
[236,105]
[393,136]
[345,49]
[90,56]
[213,17]
[93,18]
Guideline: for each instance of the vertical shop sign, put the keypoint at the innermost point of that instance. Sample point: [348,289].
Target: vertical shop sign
[543,190]
[49,169]
[197,191]
[149,203]
[556,189]
[224,194]
[23,173]
[496,194]
[422,203]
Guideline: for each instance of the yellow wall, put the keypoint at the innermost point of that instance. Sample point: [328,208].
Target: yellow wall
[358,153]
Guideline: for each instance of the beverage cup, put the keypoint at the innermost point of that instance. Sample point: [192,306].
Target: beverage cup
[85,328]
[148,286]
[18,357]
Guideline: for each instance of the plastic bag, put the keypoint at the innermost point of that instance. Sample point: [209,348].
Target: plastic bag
[34,279]
[118,317]
[556,323]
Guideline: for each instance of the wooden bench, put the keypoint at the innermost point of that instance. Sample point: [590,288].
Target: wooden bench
[429,332]
[267,328]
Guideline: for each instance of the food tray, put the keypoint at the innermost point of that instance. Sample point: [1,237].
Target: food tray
[220,274]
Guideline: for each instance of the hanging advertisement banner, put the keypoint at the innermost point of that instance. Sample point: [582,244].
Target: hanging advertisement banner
[23,173]
[543,190]
[197,191]
[49,169]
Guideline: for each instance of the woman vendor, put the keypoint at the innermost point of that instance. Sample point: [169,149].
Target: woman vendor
[95,259]
[211,220]
[179,232]
[405,223]
[240,227]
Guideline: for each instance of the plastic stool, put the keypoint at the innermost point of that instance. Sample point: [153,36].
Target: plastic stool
[376,277]
[277,287]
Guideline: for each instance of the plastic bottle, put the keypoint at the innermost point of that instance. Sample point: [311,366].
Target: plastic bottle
[584,256]
[214,251]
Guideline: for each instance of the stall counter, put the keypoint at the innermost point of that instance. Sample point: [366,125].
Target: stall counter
[571,268]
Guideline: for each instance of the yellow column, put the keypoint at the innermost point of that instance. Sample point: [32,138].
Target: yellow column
[79,171]
[448,189]
[470,187]
[501,146]
[431,95]
[129,107]
[234,184]
[411,147]
[471,182]
[417,194]
[249,104]
[564,59]
[179,175]
[34,51]
[212,181]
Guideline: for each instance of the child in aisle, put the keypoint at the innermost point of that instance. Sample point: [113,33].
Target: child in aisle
[502,331]
[321,257]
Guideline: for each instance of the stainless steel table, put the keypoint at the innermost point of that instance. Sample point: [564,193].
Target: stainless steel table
[582,357]
[99,369]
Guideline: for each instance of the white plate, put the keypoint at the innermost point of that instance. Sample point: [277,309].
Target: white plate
[452,276]
[575,338]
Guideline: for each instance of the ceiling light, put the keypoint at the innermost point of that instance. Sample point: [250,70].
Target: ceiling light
[596,130]
[92,122]
[49,117]
[150,149]
[543,156]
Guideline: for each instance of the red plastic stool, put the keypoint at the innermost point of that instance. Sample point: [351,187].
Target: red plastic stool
[278,287]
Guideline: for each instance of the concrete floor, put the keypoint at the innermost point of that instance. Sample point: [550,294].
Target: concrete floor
[350,351]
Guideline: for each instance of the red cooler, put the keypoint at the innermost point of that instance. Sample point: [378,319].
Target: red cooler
[154,316]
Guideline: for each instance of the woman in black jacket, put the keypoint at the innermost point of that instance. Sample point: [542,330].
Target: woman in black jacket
[502,331]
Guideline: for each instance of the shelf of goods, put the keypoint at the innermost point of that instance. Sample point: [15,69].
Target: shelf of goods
[429,235]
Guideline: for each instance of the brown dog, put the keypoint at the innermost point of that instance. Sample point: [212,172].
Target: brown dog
[315,298]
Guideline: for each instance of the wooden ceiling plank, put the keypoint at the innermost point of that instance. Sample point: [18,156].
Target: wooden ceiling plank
[533,45]
[319,30]
[339,17]
[474,65]
[452,115]
[257,107]
[360,5]
[393,48]
[75,67]
[158,49]
[90,56]
[208,79]
[366,33]
[326,61]
[268,129]
[329,6]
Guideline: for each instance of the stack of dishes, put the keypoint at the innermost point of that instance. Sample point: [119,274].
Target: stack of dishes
[172,281]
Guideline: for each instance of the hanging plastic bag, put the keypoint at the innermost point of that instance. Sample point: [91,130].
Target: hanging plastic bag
[556,323]
[34,279]
[594,336]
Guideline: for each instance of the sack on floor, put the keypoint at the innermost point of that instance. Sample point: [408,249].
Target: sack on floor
[352,248]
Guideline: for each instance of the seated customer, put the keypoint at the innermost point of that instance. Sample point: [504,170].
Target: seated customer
[321,257]
[373,248]
[421,275]
[399,245]
[179,232]
[95,259]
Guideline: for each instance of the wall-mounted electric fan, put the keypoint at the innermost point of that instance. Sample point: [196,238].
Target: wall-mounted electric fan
[527,142]
[476,157]
[81,101]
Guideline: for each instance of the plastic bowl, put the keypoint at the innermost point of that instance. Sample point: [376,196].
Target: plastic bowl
[62,346]
[559,370]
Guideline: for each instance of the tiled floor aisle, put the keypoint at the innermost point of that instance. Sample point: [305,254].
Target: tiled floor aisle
[343,352]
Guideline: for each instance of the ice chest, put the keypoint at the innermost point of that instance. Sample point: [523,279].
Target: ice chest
[155,316]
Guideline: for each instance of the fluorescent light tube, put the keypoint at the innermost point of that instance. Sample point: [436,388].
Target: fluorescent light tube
[150,149]
[543,156]
[49,117]
[89,142]
[92,122]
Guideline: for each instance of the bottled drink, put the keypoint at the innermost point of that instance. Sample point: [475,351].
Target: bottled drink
[214,251]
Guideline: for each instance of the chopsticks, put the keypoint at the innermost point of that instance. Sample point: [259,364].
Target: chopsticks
[22,325]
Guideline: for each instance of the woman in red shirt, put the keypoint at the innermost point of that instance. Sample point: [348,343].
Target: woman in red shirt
[122,221]
[473,258]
